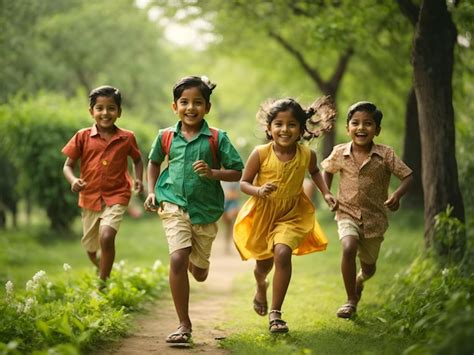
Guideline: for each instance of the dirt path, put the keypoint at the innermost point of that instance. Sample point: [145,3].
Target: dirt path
[207,302]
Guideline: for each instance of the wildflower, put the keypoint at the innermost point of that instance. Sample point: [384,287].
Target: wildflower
[28,304]
[19,308]
[9,288]
[156,265]
[445,272]
[30,285]
[66,267]
[38,276]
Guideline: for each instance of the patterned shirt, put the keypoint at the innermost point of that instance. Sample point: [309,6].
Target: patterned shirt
[363,190]
[201,197]
[104,166]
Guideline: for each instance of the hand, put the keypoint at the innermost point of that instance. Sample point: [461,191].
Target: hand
[332,202]
[78,185]
[393,203]
[201,168]
[266,189]
[138,186]
[149,203]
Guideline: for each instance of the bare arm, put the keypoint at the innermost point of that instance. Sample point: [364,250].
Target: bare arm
[321,183]
[251,170]
[153,172]
[393,202]
[138,165]
[77,184]
[328,179]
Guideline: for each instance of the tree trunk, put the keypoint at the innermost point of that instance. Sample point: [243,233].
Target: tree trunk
[434,41]
[412,152]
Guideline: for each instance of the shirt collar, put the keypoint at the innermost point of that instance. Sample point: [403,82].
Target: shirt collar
[118,131]
[204,128]
[376,149]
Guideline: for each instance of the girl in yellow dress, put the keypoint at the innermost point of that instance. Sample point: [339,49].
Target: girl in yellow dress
[278,220]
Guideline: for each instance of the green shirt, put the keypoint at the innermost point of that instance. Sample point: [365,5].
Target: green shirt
[201,197]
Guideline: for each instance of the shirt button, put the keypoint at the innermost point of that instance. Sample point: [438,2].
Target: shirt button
[104,162]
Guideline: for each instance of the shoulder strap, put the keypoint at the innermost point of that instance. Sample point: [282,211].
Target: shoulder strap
[166,138]
[214,144]
[263,151]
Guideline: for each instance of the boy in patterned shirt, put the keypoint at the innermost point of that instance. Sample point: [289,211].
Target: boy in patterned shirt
[365,169]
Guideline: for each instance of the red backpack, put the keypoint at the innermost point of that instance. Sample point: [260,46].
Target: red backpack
[167,138]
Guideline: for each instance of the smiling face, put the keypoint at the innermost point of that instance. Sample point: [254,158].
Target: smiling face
[191,107]
[105,112]
[285,129]
[362,129]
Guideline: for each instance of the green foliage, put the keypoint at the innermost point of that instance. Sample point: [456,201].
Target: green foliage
[449,238]
[433,306]
[72,312]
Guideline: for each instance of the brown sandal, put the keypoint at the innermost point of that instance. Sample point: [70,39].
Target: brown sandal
[277,325]
[181,337]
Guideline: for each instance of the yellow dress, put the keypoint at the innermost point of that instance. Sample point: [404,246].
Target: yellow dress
[286,216]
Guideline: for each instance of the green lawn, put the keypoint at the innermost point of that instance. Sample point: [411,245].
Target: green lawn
[315,293]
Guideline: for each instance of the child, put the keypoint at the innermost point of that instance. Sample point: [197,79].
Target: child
[188,193]
[365,169]
[231,208]
[104,184]
[278,220]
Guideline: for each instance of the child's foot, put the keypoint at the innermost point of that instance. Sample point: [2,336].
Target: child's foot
[260,300]
[276,324]
[347,310]
[181,337]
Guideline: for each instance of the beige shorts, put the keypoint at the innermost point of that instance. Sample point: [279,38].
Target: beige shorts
[367,248]
[92,221]
[181,234]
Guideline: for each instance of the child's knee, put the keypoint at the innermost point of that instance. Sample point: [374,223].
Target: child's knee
[179,261]
[282,255]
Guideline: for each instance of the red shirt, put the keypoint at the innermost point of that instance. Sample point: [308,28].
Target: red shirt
[104,166]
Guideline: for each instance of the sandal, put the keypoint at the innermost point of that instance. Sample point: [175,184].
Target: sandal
[181,337]
[347,310]
[277,325]
[261,308]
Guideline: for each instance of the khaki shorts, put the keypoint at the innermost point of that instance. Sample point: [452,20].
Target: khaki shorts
[181,234]
[367,248]
[92,221]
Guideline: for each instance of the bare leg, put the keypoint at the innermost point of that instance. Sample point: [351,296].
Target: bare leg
[348,267]
[107,247]
[365,273]
[198,273]
[282,276]
[262,268]
[179,284]
[93,258]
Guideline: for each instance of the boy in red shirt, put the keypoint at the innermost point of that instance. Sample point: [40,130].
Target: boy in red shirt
[104,184]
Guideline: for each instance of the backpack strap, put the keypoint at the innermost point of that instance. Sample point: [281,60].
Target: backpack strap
[214,145]
[166,139]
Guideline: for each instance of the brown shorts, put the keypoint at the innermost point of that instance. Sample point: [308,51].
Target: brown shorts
[92,221]
[181,234]
[368,248]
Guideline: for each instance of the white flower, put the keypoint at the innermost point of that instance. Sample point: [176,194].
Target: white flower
[28,304]
[19,308]
[9,288]
[30,285]
[38,276]
[156,265]
[66,267]
[445,272]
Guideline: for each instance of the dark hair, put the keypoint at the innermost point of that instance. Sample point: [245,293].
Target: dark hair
[203,83]
[323,108]
[365,106]
[108,91]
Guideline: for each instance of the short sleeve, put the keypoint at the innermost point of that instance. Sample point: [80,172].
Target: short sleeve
[331,163]
[156,153]
[73,148]
[134,153]
[396,166]
[229,157]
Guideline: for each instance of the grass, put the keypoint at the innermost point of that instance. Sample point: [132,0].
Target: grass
[316,291]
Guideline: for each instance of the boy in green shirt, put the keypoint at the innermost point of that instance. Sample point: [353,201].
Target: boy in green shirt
[188,193]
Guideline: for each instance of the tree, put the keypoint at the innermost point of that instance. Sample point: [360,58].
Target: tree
[433,60]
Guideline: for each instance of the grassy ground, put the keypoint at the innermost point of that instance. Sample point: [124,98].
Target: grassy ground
[315,293]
